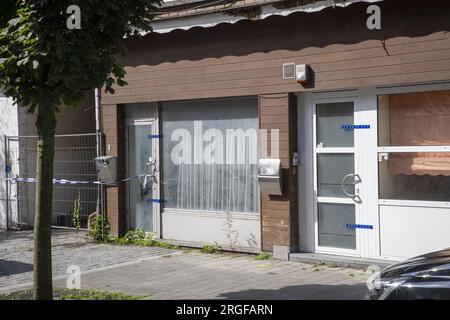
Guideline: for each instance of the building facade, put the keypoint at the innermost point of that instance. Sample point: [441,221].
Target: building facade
[368,127]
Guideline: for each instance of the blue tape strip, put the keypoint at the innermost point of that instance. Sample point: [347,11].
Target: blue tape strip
[8,168]
[359,226]
[355,126]
[154,136]
[155,200]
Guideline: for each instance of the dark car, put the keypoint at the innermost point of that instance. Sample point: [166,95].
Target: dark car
[423,277]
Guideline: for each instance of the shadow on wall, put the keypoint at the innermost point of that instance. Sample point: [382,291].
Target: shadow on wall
[332,26]
[301,292]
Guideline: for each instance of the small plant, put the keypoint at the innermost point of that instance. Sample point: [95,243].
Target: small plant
[138,237]
[99,229]
[214,249]
[231,233]
[76,212]
[263,256]
[89,294]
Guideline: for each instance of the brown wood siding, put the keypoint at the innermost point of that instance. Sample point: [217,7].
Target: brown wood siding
[113,128]
[279,213]
[246,58]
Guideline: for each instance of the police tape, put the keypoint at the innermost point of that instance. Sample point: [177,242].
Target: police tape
[64,181]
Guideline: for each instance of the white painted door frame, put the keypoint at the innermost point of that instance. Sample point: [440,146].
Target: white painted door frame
[366,145]
[156,207]
[365,152]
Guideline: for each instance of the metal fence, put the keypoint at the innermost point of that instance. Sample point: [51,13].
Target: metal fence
[74,160]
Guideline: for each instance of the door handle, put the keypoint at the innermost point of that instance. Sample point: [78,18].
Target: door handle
[358,180]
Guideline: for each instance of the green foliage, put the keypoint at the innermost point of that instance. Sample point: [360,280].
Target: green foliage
[99,230]
[45,65]
[263,256]
[214,249]
[89,294]
[76,212]
[74,294]
[136,237]
[38,51]
[139,238]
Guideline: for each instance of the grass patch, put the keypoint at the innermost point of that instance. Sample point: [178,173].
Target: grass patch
[263,256]
[212,249]
[139,238]
[74,294]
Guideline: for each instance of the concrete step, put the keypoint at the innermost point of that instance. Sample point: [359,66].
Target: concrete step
[340,261]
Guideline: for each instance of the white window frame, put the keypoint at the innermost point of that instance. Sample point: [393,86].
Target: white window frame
[412,149]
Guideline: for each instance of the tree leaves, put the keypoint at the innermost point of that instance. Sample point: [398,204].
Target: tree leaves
[38,52]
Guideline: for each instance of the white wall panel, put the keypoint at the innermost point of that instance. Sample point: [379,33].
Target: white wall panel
[410,231]
[203,227]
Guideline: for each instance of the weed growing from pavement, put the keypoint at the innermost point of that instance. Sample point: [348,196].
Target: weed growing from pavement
[215,249]
[99,229]
[263,256]
[140,238]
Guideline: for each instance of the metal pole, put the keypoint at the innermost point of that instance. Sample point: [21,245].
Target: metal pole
[99,131]
[7,182]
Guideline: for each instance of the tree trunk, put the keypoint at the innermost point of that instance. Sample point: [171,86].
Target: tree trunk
[42,273]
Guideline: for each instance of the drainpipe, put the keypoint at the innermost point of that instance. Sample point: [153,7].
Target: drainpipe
[99,139]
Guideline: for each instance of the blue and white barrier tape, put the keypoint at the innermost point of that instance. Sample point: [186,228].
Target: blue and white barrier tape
[358,226]
[64,181]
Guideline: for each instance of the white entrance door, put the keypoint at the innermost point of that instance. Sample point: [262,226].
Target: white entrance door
[142,168]
[337,175]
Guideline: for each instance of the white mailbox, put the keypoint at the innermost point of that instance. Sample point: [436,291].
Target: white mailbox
[269,176]
[107,169]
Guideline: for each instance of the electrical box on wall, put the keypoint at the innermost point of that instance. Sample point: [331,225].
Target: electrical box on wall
[107,169]
[302,73]
[269,176]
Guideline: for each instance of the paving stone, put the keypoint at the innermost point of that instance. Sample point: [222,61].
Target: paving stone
[174,274]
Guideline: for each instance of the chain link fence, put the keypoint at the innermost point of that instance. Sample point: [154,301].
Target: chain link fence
[74,160]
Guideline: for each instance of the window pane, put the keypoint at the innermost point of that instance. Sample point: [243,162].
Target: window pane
[220,185]
[330,118]
[140,151]
[333,230]
[332,168]
[414,176]
[414,119]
